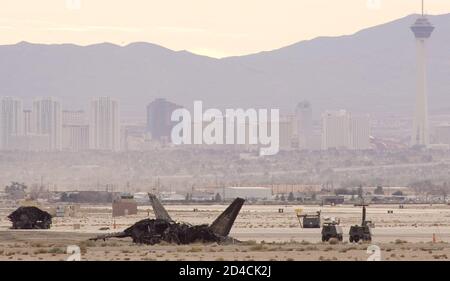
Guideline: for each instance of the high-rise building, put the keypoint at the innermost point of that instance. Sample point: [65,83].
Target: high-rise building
[27,122]
[304,120]
[340,130]
[422,30]
[335,129]
[76,138]
[75,131]
[104,124]
[360,132]
[11,120]
[73,117]
[286,132]
[46,120]
[159,123]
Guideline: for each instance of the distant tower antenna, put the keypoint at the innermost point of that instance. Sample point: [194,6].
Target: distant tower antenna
[422,8]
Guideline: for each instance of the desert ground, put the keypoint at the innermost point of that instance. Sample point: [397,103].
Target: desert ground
[266,234]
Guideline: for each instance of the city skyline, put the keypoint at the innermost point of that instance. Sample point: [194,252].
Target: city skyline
[298,130]
[47,115]
[102,129]
[296,127]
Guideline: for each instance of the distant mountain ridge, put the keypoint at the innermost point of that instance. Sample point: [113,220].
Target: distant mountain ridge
[370,71]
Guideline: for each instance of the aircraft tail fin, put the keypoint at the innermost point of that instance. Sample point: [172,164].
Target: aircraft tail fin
[222,225]
[158,209]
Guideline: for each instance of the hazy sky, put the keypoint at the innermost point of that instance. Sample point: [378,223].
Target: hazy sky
[210,27]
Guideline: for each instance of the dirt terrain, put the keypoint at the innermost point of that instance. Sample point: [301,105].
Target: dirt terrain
[407,234]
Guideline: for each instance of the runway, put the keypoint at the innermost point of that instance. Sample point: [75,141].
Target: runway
[382,234]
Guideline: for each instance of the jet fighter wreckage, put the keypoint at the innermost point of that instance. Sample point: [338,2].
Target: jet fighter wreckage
[30,218]
[163,228]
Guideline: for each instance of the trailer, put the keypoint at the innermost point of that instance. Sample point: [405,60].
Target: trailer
[309,220]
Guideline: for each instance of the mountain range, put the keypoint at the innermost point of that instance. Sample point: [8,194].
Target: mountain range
[373,70]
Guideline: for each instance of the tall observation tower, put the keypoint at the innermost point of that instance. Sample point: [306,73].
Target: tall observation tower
[422,30]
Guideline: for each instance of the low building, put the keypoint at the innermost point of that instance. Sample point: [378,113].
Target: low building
[261,193]
[172,196]
[333,200]
[92,197]
[124,205]
[201,196]
[439,146]
[141,198]
[71,211]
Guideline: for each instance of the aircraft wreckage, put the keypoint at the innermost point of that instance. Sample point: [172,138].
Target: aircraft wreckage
[163,228]
[30,218]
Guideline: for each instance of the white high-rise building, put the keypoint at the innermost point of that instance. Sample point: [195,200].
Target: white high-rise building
[287,131]
[75,131]
[422,30]
[27,122]
[47,120]
[335,129]
[340,130]
[104,124]
[360,132]
[11,120]
[304,120]
[73,117]
[76,138]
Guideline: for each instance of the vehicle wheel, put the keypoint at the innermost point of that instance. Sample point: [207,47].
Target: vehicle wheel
[351,239]
[323,238]
[356,239]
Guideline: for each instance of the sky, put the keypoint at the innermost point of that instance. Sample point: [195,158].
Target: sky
[216,28]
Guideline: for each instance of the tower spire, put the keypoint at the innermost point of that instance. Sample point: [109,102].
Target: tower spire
[422,30]
[423,13]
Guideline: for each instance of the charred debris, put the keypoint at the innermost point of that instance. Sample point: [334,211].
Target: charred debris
[30,218]
[163,228]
